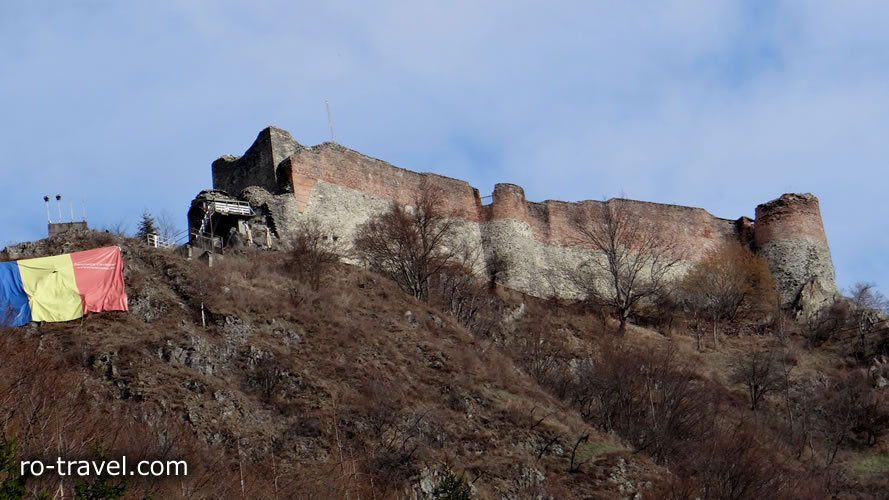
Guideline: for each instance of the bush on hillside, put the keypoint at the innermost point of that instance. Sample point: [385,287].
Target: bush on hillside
[312,251]
[729,281]
[410,245]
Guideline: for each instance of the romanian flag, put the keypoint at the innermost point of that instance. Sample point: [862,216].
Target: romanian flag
[61,288]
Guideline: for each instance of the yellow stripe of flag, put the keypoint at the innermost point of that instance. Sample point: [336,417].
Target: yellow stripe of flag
[51,288]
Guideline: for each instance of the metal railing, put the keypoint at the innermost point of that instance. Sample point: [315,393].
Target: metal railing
[158,241]
[230,207]
[180,238]
[205,241]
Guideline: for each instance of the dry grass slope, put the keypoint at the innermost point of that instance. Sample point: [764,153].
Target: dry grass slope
[355,389]
[274,385]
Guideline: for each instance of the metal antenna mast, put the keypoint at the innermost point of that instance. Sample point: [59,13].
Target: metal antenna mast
[59,202]
[329,120]
[48,217]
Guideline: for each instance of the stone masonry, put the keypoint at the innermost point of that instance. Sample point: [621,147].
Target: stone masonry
[788,232]
[343,188]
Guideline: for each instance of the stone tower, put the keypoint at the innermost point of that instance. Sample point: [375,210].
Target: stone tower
[789,234]
[233,174]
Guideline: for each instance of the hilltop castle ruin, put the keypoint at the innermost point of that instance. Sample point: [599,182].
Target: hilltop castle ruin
[262,195]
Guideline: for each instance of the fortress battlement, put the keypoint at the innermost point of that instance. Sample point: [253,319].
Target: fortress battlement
[341,187]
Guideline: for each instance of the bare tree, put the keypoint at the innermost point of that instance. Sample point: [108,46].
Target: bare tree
[697,307]
[724,280]
[119,228]
[836,408]
[760,372]
[866,296]
[840,407]
[460,292]
[826,323]
[733,463]
[166,225]
[539,353]
[633,261]
[650,397]
[410,245]
[312,250]
[869,307]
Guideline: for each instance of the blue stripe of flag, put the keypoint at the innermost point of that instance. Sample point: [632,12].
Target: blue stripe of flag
[14,308]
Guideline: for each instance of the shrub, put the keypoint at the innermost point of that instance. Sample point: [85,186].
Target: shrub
[458,291]
[869,310]
[729,280]
[646,396]
[822,326]
[313,249]
[733,463]
[539,354]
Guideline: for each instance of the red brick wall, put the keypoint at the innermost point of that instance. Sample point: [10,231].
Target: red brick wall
[551,221]
[694,229]
[792,216]
[341,166]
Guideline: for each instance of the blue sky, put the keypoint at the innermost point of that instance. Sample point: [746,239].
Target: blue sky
[722,105]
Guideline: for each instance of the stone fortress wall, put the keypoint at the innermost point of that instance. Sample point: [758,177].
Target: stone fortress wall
[343,188]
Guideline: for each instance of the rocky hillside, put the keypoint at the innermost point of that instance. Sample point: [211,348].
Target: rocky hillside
[272,388]
[353,390]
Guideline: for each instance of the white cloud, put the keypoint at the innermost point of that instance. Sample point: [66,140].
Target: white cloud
[712,103]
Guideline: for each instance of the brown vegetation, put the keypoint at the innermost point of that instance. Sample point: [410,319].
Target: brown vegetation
[321,393]
[729,280]
[760,372]
[410,245]
[309,378]
[313,250]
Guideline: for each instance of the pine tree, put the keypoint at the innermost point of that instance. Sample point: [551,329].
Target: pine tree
[12,485]
[451,486]
[103,487]
[147,225]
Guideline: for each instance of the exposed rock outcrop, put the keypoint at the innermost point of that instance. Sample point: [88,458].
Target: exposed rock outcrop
[816,294]
[789,234]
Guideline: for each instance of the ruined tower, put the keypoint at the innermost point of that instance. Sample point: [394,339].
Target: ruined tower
[257,166]
[789,234]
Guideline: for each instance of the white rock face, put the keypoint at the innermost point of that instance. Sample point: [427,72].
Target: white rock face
[534,268]
[803,271]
